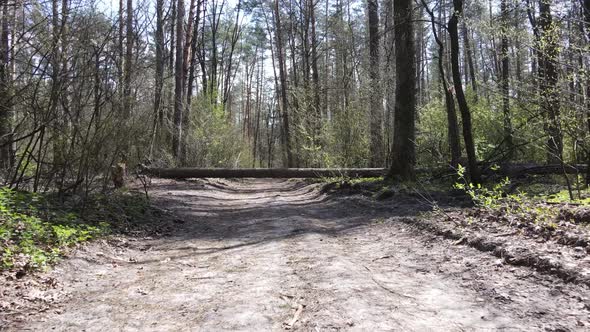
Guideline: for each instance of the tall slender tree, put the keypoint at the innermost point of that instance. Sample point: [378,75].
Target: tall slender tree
[6,116]
[377,153]
[458,85]
[548,49]
[404,151]
[505,80]
[452,123]
[469,57]
[315,71]
[586,10]
[158,124]
[289,161]
[178,81]
[128,64]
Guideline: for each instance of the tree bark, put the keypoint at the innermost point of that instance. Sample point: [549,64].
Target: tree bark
[505,81]
[452,123]
[403,151]
[469,56]
[179,81]
[158,125]
[6,111]
[586,5]
[461,100]
[315,73]
[120,42]
[376,153]
[229,67]
[189,45]
[213,84]
[550,104]
[129,39]
[193,56]
[172,59]
[283,88]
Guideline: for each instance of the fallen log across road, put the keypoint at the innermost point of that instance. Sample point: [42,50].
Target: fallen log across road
[183,173]
[503,170]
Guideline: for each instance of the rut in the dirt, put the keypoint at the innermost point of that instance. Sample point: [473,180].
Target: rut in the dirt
[268,255]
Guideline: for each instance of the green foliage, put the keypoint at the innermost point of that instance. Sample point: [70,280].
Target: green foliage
[35,229]
[562,196]
[32,236]
[485,197]
[487,124]
[553,189]
[214,141]
[511,207]
[351,180]
[432,142]
[487,118]
[350,140]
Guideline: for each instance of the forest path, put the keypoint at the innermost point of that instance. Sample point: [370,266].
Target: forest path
[259,255]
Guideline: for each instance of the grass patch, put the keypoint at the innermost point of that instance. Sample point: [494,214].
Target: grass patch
[580,197]
[35,229]
[349,180]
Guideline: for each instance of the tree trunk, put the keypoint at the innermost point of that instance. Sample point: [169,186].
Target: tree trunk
[315,74]
[461,100]
[505,83]
[158,125]
[283,87]
[189,44]
[120,50]
[469,56]
[229,68]
[377,153]
[186,49]
[172,35]
[56,86]
[213,84]
[587,21]
[129,39]
[549,53]
[453,126]
[179,81]
[193,57]
[6,151]
[403,151]
[389,78]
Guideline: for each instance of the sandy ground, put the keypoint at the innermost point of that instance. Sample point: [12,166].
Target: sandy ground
[260,255]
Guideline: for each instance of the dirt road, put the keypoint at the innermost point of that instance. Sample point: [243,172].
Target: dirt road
[258,255]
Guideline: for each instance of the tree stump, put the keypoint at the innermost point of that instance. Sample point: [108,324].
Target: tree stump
[119,172]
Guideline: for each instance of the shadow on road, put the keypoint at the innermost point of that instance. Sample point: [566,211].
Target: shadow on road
[252,212]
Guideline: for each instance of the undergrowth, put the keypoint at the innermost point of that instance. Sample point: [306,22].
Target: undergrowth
[350,180]
[494,203]
[36,229]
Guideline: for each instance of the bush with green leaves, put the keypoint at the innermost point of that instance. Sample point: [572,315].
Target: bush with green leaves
[517,207]
[485,197]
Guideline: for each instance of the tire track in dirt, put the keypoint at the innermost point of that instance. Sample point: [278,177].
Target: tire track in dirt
[349,287]
[246,254]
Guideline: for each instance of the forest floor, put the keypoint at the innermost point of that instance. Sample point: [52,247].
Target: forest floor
[281,254]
